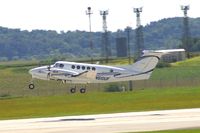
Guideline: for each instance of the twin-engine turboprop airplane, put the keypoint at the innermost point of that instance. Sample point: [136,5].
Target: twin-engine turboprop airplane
[72,72]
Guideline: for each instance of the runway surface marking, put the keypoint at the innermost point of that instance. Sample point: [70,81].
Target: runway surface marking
[107,123]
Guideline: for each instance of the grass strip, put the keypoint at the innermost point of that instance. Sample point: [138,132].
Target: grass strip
[176,131]
[95,103]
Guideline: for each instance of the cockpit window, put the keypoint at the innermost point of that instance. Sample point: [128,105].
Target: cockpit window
[61,65]
[56,65]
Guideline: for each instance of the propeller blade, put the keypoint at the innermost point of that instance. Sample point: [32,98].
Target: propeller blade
[49,73]
[49,68]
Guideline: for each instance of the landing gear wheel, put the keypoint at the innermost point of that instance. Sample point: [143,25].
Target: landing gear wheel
[73,90]
[31,86]
[82,90]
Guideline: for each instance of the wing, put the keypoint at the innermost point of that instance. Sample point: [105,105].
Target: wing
[87,74]
[67,73]
[62,72]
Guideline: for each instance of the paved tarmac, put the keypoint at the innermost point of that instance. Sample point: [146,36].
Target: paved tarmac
[107,123]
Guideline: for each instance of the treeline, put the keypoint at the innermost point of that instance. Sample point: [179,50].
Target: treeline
[17,44]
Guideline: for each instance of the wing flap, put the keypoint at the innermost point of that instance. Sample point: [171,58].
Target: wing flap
[88,75]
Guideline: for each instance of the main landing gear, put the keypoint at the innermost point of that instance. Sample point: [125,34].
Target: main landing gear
[82,90]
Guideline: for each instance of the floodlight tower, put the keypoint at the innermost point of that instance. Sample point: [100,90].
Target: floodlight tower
[104,14]
[186,31]
[138,11]
[128,30]
[185,10]
[139,33]
[106,48]
[89,12]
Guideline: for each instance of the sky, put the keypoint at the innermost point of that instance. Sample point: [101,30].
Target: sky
[65,15]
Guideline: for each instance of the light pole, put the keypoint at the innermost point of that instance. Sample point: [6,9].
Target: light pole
[186,30]
[89,12]
[128,44]
[105,48]
[139,33]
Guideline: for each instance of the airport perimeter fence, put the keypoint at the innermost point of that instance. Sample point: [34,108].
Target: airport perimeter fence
[169,78]
[64,89]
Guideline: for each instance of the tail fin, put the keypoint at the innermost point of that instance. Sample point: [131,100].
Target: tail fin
[147,62]
[143,68]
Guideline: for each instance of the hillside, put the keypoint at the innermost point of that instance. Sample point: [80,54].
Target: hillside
[167,33]
[17,44]
[190,62]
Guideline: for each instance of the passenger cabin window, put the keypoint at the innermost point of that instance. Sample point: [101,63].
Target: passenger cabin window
[88,68]
[83,67]
[111,70]
[78,67]
[73,67]
[93,68]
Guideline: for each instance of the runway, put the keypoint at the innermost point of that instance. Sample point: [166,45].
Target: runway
[107,123]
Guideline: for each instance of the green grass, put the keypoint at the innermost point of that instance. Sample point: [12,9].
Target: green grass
[190,62]
[184,69]
[176,131]
[172,73]
[94,103]
[16,101]
[16,64]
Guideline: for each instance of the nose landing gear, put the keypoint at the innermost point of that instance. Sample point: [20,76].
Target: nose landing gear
[31,86]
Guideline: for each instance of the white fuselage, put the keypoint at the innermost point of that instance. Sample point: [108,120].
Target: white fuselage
[82,73]
[74,72]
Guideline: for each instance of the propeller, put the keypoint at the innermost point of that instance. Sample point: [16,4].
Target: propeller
[49,71]
[49,67]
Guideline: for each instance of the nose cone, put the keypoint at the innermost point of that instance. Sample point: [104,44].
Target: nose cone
[39,72]
[31,71]
[36,70]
